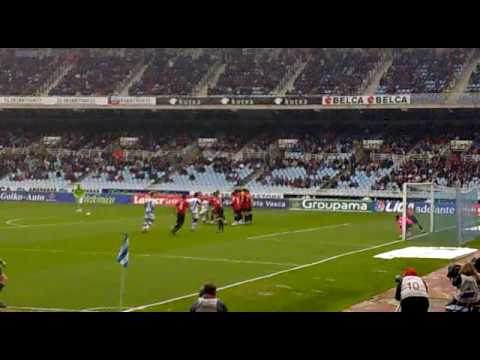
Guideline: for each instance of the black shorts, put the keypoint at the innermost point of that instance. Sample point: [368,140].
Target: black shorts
[180,219]
[2,286]
[247,210]
[219,213]
[415,305]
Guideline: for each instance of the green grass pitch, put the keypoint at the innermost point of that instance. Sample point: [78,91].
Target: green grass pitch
[60,259]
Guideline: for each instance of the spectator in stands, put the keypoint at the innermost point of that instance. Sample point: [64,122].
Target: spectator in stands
[468,288]
[208,301]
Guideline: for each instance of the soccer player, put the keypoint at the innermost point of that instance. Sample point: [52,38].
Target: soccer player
[194,204]
[149,215]
[237,207]
[3,278]
[205,205]
[181,208]
[247,207]
[79,195]
[219,216]
[413,218]
[399,221]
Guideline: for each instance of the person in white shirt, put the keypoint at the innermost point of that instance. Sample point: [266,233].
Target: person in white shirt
[205,206]
[412,292]
[194,204]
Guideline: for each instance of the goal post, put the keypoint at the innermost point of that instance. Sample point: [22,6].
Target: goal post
[413,192]
[438,214]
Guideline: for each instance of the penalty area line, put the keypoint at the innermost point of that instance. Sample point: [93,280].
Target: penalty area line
[267,276]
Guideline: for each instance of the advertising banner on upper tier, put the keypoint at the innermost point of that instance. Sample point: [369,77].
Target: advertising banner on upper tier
[366,100]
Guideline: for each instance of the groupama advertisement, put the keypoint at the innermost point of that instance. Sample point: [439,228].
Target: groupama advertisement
[332,205]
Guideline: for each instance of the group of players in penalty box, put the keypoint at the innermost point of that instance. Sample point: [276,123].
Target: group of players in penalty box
[205,208]
[209,210]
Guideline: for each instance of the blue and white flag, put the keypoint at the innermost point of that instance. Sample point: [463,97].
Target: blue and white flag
[122,257]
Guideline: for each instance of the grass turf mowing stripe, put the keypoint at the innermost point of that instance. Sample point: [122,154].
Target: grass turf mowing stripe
[28,308]
[297,231]
[267,276]
[179,257]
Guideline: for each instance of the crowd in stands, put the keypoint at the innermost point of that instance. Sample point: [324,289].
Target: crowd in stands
[113,168]
[97,75]
[247,71]
[169,75]
[40,165]
[336,71]
[26,75]
[253,73]
[330,158]
[474,81]
[311,177]
[423,71]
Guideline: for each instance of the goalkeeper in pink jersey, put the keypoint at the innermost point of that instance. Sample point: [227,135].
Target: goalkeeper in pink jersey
[413,218]
[399,221]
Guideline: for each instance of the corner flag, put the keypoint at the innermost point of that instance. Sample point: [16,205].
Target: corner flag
[122,257]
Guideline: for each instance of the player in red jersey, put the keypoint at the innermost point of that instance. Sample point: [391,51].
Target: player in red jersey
[181,208]
[247,207]
[237,207]
[219,216]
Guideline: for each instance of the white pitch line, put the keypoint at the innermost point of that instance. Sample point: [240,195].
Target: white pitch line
[175,257]
[11,222]
[297,231]
[101,308]
[20,226]
[267,276]
[229,260]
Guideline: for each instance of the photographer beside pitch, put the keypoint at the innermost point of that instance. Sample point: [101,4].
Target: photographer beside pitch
[208,301]
[3,278]
[412,292]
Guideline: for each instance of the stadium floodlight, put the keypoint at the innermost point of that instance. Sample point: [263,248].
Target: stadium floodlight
[443,215]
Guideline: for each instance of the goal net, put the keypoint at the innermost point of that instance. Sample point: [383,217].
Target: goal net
[439,215]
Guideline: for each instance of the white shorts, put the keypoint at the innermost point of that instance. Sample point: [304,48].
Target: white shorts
[80,200]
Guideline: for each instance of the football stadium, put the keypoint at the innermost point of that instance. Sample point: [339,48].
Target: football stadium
[239,180]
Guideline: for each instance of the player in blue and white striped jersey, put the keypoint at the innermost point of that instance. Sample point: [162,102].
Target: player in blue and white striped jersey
[149,215]
[194,204]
